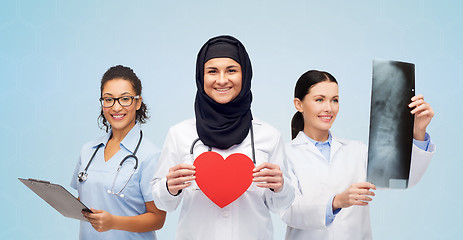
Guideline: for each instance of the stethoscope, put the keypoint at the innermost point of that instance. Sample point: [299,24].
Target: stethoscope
[209,148]
[82,176]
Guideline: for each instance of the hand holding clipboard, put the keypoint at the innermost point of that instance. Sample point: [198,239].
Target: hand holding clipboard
[57,197]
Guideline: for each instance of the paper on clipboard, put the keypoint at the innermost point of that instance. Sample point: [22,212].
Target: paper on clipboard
[57,197]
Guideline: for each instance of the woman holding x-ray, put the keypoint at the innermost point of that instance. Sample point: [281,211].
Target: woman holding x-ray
[330,172]
[113,173]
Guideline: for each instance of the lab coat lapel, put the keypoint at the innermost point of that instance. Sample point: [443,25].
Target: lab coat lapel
[336,144]
[302,141]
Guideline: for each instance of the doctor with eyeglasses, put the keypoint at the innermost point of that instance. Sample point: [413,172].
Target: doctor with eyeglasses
[113,173]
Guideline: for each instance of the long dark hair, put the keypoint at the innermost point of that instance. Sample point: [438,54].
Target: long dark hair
[125,73]
[303,85]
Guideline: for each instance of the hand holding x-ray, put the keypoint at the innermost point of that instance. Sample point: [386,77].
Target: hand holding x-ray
[423,115]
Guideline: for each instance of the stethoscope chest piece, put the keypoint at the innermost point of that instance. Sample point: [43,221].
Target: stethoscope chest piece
[82,176]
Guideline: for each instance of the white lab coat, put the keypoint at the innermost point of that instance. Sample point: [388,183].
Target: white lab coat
[247,217]
[317,180]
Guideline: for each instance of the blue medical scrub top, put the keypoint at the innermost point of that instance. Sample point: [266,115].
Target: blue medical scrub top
[94,191]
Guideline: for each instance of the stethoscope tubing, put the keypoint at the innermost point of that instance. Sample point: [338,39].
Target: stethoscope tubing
[209,148]
[82,176]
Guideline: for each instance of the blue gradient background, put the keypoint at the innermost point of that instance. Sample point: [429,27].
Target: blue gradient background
[54,52]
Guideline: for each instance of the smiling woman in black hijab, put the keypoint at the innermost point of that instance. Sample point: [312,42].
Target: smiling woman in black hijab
[223,124]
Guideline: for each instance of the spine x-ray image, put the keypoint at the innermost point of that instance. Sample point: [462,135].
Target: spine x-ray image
[391,124]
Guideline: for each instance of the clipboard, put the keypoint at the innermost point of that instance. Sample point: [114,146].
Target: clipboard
[391,124]
[58,197]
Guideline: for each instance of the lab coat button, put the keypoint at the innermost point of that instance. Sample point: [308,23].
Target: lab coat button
[225,214]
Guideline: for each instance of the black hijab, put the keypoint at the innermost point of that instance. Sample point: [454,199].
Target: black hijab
[223,125]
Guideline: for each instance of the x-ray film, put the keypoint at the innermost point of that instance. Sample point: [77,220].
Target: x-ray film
[391,124]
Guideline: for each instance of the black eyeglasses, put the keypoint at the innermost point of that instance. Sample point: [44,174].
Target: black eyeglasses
[124,101]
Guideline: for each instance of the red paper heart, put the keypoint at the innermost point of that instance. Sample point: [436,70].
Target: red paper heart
[223,181]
